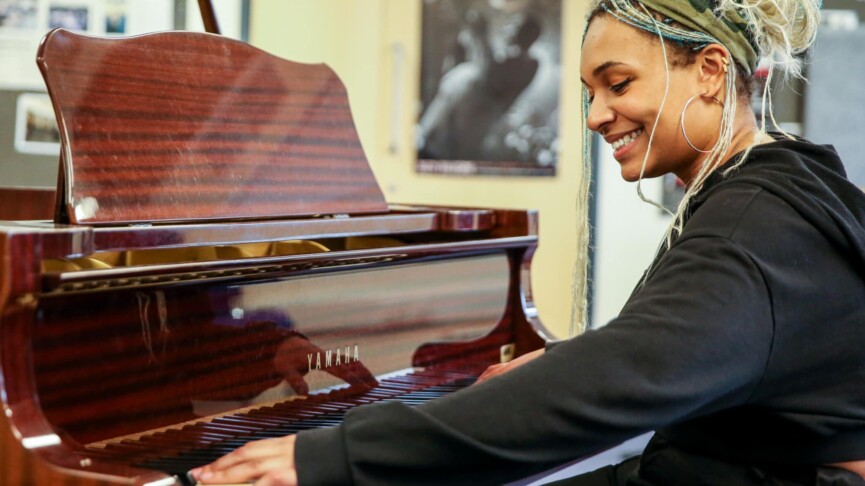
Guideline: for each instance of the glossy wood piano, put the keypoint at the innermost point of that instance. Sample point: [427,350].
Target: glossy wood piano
[222,267]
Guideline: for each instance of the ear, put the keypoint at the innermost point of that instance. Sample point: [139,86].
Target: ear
[713,62]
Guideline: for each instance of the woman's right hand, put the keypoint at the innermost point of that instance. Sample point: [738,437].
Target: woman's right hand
[501,368]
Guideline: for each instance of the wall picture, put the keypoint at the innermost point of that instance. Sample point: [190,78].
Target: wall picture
[68,17]
[35,126]
[490,77]
[115,16]
[18,14]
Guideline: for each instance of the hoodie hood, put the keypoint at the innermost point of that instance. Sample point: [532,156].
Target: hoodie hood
[811,178]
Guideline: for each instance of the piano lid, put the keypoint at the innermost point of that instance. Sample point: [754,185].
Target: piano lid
[182,126]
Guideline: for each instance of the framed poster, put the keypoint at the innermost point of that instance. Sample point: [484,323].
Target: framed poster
[490,77]
[69,16]
[18,14]
[35,126]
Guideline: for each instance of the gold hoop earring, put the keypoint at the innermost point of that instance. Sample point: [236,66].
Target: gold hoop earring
[684,108]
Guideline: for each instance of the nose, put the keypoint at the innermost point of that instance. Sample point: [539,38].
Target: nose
[599,115]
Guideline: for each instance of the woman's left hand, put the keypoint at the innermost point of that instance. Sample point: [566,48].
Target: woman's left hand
[502,368]
[268,462]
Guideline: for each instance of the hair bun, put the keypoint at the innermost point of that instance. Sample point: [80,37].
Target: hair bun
[781,29]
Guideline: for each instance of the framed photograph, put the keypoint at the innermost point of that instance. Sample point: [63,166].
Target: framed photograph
[72,17]
[35,126]
[18,14]
[490,80]
[115,17]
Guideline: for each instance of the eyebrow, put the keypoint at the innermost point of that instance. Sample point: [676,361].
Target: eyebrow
[603,67]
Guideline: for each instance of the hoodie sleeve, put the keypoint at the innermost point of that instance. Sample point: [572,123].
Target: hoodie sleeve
[695,339]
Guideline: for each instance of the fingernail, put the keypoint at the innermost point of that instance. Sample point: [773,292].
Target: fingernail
[206,475]
[195,472]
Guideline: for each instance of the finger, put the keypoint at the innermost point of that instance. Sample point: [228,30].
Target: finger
[297,383]
[250,451]
[280,477]
[248,471]
[355,374]
[490,372]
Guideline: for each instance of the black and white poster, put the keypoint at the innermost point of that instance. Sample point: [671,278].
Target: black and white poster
[490,77]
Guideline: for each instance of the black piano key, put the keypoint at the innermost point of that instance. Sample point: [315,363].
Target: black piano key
[213,439]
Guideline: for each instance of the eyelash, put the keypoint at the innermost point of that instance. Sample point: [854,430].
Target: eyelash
[617,88]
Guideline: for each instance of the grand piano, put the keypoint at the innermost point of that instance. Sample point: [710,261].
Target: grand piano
[222,266]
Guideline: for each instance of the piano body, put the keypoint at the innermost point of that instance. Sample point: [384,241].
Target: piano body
[222,266]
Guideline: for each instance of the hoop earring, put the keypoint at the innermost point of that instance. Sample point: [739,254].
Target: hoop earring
[684,108]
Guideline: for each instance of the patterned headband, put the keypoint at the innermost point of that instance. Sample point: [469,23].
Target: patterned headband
[730,30]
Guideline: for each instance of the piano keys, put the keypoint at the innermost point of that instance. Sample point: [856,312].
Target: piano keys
[222,267]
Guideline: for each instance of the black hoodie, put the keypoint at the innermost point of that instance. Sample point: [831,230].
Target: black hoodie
[745,345]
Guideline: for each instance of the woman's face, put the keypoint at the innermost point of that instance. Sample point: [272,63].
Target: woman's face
[623,71]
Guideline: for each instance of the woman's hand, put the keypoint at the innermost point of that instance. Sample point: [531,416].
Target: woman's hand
[268,462]
[502,368]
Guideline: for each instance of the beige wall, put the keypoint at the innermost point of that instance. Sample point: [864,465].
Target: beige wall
[358,39]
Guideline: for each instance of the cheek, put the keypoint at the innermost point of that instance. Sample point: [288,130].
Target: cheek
[643,110]
[667,152]
[668,132]
[635,108]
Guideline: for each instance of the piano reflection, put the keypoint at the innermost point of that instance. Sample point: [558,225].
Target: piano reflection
[222,267]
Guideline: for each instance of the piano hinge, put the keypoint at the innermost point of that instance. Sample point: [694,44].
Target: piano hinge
[506,352]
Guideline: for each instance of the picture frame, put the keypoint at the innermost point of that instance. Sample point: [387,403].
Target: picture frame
[490,82]
[36,130]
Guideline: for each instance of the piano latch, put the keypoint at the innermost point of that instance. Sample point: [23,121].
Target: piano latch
[506,352]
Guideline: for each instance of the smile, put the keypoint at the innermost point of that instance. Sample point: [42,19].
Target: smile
[625,140]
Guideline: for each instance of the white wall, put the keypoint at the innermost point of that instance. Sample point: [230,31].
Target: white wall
[627,234]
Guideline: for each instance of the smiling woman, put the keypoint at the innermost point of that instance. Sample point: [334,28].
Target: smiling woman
[700,74]
[741,346]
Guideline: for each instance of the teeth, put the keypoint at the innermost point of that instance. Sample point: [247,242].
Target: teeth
[626,139]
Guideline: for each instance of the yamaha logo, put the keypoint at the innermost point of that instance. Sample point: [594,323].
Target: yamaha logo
[333,357]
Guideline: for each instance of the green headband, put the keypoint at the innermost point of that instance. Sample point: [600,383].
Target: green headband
[731,30]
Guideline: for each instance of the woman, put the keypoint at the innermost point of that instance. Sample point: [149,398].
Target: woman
[742,345]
